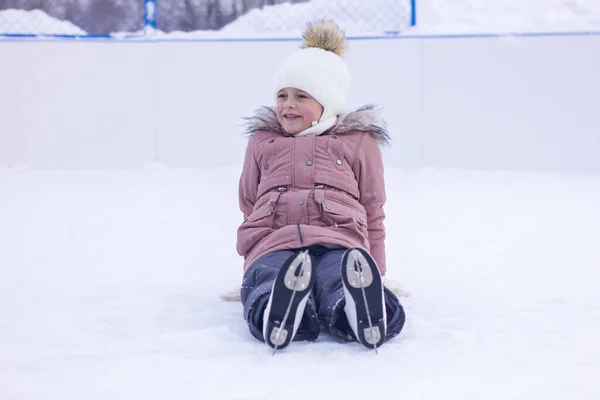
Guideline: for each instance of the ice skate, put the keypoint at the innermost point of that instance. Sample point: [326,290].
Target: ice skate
[365,302]
[287,301]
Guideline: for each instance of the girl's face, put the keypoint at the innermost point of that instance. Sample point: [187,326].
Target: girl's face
[296,110]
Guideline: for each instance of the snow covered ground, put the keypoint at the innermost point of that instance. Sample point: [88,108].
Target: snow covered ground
[109,285]
[358,17]
[35,22]
[506,16]
[433,17]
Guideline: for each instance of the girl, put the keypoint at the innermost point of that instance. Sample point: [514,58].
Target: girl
[312,193]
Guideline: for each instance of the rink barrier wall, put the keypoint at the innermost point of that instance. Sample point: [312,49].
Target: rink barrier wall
[501,102]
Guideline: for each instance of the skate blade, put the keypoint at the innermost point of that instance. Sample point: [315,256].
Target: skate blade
[358,270]
[372,335]
[278,336]
[297,276]
[297,279]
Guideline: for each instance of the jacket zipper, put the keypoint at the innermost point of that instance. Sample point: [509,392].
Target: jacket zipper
[300,235]
[293,164]
[294,187]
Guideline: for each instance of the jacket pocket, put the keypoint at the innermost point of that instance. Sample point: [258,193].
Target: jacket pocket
[258,225]
[266,211]
[347,219]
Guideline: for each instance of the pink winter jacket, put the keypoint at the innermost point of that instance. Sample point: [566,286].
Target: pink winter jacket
[302,191]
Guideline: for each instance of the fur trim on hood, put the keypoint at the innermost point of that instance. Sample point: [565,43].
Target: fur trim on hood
[365,119]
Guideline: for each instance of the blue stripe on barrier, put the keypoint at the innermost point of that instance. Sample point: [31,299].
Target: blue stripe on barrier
[499,35]
[12,37]
[52,36]
[392,36]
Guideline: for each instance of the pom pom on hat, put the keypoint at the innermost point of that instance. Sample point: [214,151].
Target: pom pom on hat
[324,35]
[318,68]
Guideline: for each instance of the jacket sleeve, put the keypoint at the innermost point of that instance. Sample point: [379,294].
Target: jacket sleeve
[249,180]
[369,171]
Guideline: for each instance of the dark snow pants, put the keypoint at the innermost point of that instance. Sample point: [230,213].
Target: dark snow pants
[325,307]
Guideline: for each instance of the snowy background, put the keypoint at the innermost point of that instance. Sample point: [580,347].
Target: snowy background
[35,22]
[111,264]
[250,18]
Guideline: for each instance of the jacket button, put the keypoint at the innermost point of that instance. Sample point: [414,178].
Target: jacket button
[300,202]
[328,206]
[268,210]
[309,163]
[361,219]
[271,140]
[339,162]
[329,150]
[266,166]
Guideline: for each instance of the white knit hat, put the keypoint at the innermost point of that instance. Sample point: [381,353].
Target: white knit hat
[318,68]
